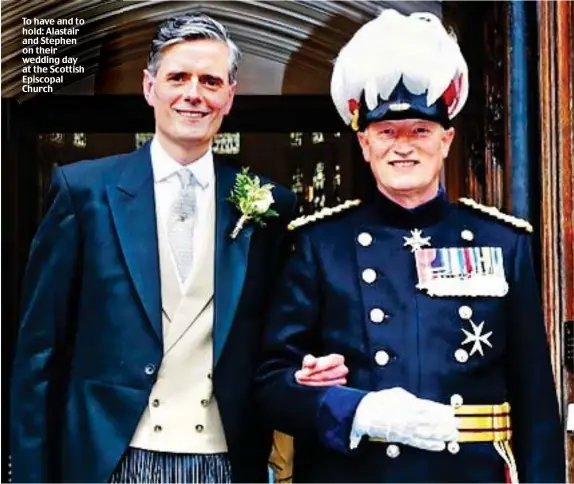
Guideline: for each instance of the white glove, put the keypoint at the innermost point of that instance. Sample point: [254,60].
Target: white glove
[396,415]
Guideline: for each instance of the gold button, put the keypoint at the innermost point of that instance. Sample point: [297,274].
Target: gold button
[204,403]
[157,428]
[199,428]
[155,403]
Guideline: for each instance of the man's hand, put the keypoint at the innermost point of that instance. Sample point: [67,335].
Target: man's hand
[323,371]
[395,415]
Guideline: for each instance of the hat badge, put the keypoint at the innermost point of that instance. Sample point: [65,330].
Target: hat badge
[399,107]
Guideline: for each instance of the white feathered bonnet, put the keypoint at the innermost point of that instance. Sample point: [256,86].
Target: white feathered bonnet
[398,67]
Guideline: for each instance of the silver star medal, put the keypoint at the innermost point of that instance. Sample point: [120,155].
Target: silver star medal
[477,338]
[416,241]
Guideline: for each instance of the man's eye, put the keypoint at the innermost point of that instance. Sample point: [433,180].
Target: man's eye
[176,77]
[210,81]
[422,130]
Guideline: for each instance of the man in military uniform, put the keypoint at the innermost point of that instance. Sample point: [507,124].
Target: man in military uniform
[434,305]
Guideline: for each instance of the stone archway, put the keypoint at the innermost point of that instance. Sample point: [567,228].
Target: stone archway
[288,46]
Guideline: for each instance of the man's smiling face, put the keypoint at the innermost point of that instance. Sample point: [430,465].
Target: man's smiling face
[406,157]
[190,93]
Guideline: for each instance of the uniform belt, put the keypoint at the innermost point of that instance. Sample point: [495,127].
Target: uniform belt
[483,423]
[486,423]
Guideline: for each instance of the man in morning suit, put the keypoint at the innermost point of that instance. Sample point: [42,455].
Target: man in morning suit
[434,305]
[142,298]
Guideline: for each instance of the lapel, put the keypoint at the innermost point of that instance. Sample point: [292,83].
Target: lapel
[132,204]
[231,257]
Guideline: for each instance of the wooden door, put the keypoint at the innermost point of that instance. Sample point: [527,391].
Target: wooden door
[556,68]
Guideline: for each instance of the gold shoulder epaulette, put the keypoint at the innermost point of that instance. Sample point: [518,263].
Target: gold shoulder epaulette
[321,214]
[494,212]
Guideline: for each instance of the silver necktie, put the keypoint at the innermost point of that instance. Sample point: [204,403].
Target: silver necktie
[181,223]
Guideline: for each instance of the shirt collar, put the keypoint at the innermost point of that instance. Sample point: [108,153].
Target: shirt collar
[424,215]
[164,166]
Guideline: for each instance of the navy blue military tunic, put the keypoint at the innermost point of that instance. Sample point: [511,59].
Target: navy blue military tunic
[353,286]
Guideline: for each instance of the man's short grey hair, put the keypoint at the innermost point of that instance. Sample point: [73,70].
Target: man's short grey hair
[191,27]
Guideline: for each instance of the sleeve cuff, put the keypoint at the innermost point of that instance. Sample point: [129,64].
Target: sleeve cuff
[336,416]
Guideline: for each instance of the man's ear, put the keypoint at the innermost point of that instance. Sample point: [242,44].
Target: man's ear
[229,104]
[365,145]
[447,138]
[148,87]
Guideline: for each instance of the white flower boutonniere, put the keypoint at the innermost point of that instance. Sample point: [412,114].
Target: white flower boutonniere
[252,200]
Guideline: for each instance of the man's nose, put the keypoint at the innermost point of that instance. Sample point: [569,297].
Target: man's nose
[192,91]
[403,148]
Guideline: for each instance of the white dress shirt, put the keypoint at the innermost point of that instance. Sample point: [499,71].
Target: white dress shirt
[167,186]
